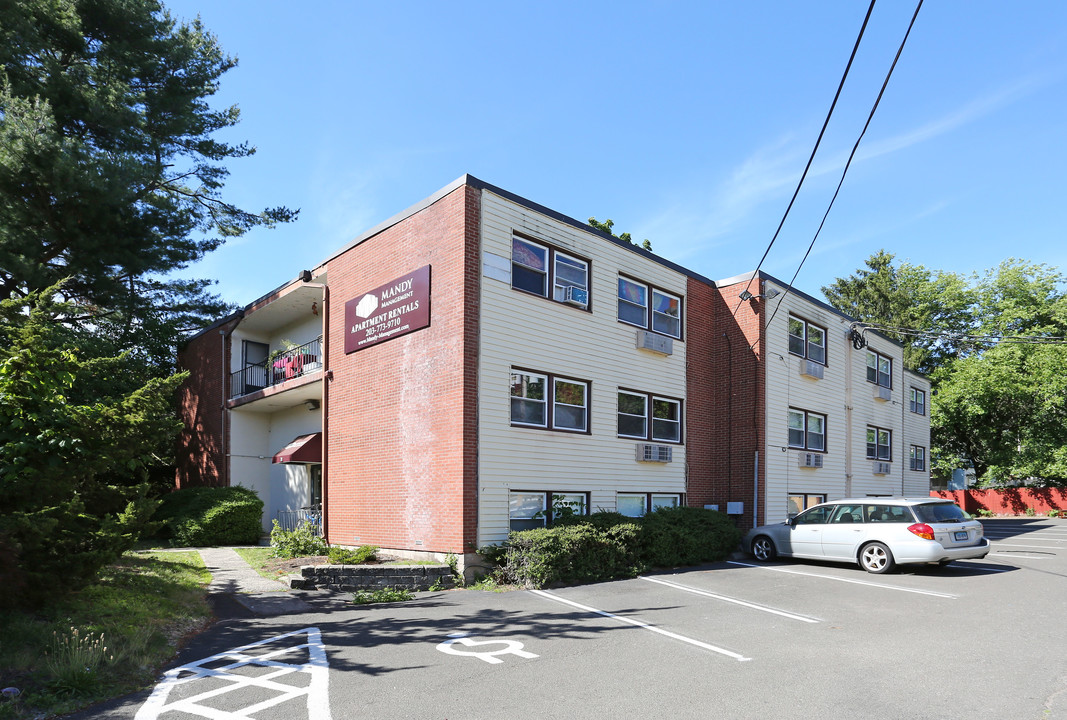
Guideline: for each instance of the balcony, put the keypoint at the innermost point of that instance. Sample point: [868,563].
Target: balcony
[280,366]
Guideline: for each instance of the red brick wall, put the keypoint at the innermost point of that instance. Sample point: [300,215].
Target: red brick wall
[725,408]
[402,438]
[201,445]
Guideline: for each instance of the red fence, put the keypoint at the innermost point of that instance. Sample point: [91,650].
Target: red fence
[1008,501]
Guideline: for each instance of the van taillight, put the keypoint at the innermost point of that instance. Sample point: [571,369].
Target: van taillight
[922,530]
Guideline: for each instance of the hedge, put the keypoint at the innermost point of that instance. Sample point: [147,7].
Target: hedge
[608,545]
[206,516]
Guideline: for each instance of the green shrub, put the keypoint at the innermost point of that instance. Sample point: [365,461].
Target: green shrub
[610,545]
[204,516]
[344,556]
[686,536]
[304,541]
[578,552]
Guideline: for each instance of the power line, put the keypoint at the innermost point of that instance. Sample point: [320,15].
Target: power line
[815,149]
[962,337]
[851,155]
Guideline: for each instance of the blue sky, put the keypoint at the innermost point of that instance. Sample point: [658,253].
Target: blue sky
[687,123]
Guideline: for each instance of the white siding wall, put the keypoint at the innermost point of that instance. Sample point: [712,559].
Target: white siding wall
[787,388]
[916,432]
[849,403]
[526,331]
[255,438]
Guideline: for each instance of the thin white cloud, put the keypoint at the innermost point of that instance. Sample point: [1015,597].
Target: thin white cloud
[716,212]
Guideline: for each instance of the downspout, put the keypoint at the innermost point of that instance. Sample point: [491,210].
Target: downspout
[327,376]
[729,414]
[903,438]
[224,468]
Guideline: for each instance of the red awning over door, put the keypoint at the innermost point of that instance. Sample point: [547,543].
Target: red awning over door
[303,449]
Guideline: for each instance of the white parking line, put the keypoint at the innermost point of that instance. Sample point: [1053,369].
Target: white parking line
[932,593]
[643,625]
[1021,555]
[1038,547]
[724,598]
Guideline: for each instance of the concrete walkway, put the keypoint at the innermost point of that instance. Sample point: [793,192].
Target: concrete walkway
[232,576]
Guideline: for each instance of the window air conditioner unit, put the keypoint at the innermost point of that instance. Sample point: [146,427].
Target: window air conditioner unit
[656,343]
[811,460]
[883,393]
[882,468]
[654,453]
[811,369]
[576,296]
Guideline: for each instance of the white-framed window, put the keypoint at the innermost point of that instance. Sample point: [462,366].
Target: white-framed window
[646,416]
[638,504]
[917,460]
[649,307]
[807,340]
[570,404]
[535,268]
[917,401]
[570,272]
[529,509]
[807,430]
[566,407]
[879,444]
[879,369]
[529,403]
[798,503]
[666,313]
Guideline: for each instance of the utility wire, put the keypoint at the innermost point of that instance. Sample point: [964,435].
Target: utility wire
[961,337]
[851,155]
[811,158]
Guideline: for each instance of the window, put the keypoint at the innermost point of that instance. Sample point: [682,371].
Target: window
[917,460]
[799,503]
[847,514]
[530,406]
[807,430]
[879,444]
[530,264]
[879,369]
[637,504]
[665,424]
[807,340]
[888,513]
[917,401]
[534,509]
[648,307]
[815,516]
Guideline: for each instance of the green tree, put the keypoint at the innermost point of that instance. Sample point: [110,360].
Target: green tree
[110,175]
[76,448]
[609,223]
[939,305]
[988,345]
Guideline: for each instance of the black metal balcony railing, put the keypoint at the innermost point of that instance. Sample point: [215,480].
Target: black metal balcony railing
[293,363]
[290,520]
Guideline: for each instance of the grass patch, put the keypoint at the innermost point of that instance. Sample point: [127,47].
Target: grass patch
[257,558]
[106,640]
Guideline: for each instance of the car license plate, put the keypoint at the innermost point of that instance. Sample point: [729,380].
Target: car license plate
[961,534]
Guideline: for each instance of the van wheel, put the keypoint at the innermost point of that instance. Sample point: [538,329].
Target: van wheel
[763,548]
[876,558]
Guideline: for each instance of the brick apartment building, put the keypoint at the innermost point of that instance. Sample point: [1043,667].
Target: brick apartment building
[478,362]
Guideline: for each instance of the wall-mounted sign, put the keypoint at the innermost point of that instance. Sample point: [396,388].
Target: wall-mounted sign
[394,309]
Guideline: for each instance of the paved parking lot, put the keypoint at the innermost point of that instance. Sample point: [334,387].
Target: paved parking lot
[976,639]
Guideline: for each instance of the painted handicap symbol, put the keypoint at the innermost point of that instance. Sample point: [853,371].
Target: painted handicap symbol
[511,647]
